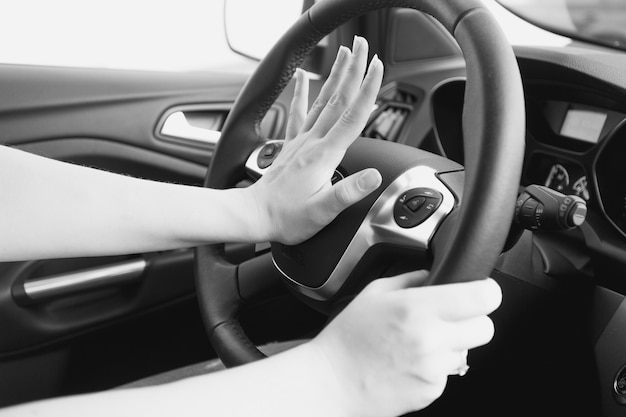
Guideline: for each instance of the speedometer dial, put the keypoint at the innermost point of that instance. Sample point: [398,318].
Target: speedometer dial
[558,178]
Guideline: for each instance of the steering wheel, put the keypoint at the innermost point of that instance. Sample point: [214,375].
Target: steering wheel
[455,218]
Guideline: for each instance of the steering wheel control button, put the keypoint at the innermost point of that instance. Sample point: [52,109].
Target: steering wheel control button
[413,207]
[415,203]
[269,150]
[268,154]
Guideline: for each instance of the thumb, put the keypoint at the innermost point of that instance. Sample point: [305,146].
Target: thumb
[399,282]
[354,188]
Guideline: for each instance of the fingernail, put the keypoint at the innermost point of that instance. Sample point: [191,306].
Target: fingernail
[356,45]
[298,75]
[375,62]
[341,53]
[369,180]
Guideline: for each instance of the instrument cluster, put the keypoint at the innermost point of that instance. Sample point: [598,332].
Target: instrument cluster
[579,149]
[575,142]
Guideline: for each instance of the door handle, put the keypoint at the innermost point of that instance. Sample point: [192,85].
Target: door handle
[66,284]
[177,125]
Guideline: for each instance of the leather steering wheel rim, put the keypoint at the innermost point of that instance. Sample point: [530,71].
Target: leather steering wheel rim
[467,245]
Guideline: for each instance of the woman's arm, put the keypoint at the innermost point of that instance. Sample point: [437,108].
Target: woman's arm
[53,209]
[388,353]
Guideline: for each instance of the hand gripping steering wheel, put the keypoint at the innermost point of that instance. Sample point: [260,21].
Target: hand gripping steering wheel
[455,217]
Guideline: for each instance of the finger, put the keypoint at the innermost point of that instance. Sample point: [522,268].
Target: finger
[461,301]
[329,87]
[351,189]
[469,334]
[398,282]
[354,118]
[346,90]
[299,105]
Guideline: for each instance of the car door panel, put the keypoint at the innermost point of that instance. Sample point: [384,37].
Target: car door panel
[32,321]
[112,120]
[106,119]
[41,103]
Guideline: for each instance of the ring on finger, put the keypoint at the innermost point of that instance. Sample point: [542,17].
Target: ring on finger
[464,367]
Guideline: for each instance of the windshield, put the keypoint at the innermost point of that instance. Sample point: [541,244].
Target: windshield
[598,21]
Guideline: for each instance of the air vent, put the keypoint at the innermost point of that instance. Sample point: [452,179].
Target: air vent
[393,107]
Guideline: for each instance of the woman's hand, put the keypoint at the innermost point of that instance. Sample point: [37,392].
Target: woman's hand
[295,198]
[391,350]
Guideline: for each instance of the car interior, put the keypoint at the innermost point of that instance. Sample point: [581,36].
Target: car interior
[560,340]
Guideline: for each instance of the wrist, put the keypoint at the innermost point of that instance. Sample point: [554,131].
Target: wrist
[260,224]
[338,392]
[216,216]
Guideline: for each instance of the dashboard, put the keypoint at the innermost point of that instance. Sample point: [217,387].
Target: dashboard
[575,144]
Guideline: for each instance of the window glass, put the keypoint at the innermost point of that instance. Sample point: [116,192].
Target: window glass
[520,32]
[167,35]
[128,34]
[597,21]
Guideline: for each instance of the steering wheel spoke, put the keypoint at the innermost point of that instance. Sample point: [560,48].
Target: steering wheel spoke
[406,214]
[258,279]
